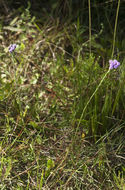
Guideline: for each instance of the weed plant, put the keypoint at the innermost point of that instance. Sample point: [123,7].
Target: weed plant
[62,112]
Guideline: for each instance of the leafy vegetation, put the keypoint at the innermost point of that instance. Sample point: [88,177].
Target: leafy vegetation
[62,110]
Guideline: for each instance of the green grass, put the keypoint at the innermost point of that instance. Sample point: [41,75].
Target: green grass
[62,115]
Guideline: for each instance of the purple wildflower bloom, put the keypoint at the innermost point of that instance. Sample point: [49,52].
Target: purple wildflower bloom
[12,47]
[113,64]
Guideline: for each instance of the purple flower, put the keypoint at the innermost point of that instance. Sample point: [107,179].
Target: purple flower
[12,47]
[113,64]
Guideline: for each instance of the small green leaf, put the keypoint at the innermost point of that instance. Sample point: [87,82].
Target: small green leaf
[13,21]
[13,29]
[33,124]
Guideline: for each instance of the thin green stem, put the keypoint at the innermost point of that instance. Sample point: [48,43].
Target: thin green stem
[90,100]
[116,21]
[90,35]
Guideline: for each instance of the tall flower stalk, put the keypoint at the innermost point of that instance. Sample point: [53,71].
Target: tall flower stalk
[114,64]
